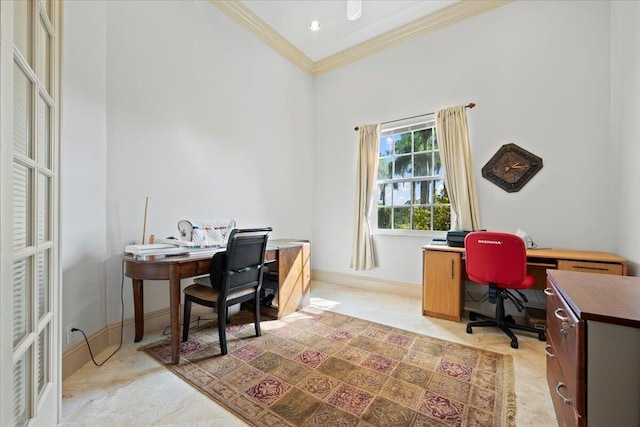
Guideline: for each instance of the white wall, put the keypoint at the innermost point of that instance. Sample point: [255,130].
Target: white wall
[539,73]
[625,129]
[207,121]
[83,165]
[171,100]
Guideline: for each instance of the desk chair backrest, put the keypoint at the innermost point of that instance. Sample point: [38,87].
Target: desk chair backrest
[244,259]
[499,258]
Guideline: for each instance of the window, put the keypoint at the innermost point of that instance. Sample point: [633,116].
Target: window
[410,184]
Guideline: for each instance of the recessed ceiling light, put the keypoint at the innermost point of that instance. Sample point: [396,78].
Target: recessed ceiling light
[314,26]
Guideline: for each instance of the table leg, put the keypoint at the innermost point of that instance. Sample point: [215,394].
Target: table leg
[138,311]
[174,308]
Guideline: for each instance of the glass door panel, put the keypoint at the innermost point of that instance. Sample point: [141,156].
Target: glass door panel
[29,233]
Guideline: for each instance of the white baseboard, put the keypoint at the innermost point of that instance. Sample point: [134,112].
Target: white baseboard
[77,355]
[369,283]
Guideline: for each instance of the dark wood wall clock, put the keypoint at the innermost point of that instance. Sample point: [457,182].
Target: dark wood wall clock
[511,167]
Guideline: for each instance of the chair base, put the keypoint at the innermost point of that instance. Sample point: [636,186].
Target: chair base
[502,322]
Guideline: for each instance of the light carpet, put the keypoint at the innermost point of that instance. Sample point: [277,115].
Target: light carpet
[319,368]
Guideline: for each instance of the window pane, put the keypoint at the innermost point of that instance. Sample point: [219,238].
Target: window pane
[21,211]
[422,218]
[437,169]
[402,218]
[442,217]
[42,63]
[21,390]
[42,364]
[384,217]
[44,143]
[386,145]
[422,192]
[21,315]
[422,164]
[43,283]
[423,140]
[21,21]
[385,168]
[402,194]
[440,194]
[385,192]
[403,167]
[44,191]
[402,143]
[21,111]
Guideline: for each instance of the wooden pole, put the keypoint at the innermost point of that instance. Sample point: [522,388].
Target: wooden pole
[144,223]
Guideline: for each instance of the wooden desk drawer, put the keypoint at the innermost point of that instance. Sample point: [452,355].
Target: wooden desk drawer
[590,267]
[562,396]
[565,337]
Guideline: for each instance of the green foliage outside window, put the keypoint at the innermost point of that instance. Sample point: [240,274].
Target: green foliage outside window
[441,215]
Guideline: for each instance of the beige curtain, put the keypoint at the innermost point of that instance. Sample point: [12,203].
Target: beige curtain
[366,175]
[455,153]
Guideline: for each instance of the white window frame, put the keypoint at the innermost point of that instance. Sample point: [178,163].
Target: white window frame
[408,125]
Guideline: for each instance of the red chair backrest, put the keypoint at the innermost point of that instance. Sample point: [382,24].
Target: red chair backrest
[493,257]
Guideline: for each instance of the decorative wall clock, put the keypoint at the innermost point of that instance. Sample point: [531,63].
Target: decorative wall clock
[511,167]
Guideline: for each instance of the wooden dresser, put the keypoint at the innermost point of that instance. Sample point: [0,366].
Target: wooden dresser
[593,348]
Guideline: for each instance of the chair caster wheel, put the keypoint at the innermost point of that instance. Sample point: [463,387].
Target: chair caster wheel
[509,319]
[542,337]
[514,343]
[469,329]
[472,316]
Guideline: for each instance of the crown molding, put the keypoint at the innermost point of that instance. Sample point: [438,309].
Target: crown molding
[450,15]
[445,17]
[235,10]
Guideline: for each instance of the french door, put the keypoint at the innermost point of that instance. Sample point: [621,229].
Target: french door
[29,183]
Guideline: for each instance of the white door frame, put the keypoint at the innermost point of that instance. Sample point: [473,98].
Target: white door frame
[43,393]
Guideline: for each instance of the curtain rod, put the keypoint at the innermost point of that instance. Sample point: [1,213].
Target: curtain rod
[469,105]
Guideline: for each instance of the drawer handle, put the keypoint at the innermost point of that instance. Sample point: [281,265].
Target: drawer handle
[564,399]
[582,267]
[546,350]
[564,319]
[548,292]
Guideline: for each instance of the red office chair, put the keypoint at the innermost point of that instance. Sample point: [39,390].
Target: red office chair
[499,260]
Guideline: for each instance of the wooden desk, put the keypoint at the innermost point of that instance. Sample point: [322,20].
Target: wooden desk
[293,260]
[443,274]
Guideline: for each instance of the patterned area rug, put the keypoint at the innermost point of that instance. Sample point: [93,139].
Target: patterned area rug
[319,368]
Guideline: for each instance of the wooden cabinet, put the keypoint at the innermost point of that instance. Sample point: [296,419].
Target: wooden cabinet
[442,275]
[593,348]
[293,272]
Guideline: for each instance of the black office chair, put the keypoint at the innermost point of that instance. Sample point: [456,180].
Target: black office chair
[235,276]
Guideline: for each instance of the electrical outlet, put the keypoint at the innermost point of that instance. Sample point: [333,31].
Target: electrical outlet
[71,335]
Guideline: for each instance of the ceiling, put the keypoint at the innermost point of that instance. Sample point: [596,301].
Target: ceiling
[284,26]
[291,18]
